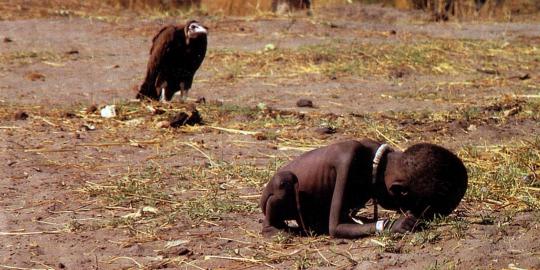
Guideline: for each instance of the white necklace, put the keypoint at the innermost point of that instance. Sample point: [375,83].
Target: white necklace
[376,160]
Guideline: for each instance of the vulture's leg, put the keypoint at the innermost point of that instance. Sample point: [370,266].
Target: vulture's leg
[183,92]
[185,85]
[162,96]
[161,88]
[170,90]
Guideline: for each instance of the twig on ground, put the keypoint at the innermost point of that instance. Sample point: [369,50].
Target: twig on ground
[324,258]
[235,131]
[30,233]
[22,268]
[240,259]
[125,258]
[212,162]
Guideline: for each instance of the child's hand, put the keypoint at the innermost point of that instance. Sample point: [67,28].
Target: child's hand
[406,223]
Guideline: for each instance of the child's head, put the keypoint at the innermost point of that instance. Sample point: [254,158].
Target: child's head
[435,180]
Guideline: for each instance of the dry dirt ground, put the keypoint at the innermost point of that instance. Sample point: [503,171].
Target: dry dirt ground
[79,191]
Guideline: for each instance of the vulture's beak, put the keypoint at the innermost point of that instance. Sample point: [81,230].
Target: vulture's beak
[196,29]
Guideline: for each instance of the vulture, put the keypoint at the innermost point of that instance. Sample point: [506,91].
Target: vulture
[176,54]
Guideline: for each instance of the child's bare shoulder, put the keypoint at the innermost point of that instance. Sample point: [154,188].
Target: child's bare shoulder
[353,146]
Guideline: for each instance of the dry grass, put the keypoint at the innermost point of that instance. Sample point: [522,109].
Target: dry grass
[428,57]
[146,202]
[21,58]
[502,176]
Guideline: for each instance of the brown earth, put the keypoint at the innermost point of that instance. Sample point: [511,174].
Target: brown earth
[68,177]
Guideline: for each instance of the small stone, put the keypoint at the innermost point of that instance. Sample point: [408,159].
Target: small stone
[304,103]
[201,100]
[325,130]
[261,137]
[87,127]
[8,40]
[512,111]
[35,76]
[194,118]
[525,76]
[393,32]
[93,108]
[69,115]
[155,111]
[269,47]
[175,252]
[262,106]
[179,119]
[472,128]
[526,179]
[158,111]
[20,115]
[163,124]
[397,74]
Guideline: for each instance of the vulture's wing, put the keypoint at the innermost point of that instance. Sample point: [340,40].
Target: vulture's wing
[166,40]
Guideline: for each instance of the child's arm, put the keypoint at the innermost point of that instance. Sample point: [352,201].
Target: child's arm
[337,227]
[405,223]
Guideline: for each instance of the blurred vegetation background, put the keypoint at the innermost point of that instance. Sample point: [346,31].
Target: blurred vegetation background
[442,9]
[457,7]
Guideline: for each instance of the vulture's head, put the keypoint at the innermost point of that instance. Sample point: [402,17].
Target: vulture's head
[195,30]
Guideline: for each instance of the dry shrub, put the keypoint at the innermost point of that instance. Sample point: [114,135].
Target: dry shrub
[142,4]
[237,7]
[463,9]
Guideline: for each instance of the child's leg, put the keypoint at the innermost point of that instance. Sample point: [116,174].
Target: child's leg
[279,202]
